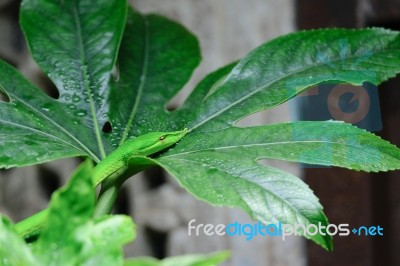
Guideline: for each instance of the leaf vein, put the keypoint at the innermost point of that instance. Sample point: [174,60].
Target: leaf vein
[143,79]
[85,76]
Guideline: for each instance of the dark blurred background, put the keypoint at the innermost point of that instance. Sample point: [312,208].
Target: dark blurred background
[359,198]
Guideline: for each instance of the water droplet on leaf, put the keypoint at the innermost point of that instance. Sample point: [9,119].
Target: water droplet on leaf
[80,113]
[76,98]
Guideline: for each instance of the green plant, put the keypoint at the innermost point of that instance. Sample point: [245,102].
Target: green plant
[73,236]
[113,65]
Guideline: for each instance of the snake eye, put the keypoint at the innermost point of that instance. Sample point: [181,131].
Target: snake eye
[162,137]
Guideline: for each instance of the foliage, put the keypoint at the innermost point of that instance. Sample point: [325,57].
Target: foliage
[72,236]
[113,65]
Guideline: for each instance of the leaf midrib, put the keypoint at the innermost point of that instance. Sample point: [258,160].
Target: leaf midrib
[143,79]
[238,101]
[86,80]
[259,145]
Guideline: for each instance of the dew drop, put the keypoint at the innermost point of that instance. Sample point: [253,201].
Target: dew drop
[76,98]
[46,107]
[80,113]
[72,106]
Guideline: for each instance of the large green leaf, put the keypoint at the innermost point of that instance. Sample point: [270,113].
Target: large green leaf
[76,43]
[227,172]
[157,57]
